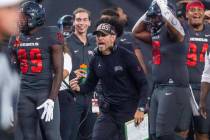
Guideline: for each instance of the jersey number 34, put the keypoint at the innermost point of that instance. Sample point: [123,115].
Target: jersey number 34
[193,54]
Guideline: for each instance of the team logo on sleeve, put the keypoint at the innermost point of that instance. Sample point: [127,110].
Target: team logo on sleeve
[60,37]
[17,42]
[90,52]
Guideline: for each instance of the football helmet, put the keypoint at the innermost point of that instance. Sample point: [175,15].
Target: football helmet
[65,24]
[33,15]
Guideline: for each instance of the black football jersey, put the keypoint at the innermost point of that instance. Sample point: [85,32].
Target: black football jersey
[169,59]
[197,47]
[34,57]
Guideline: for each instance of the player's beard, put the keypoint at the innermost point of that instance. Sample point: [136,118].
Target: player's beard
[197,24]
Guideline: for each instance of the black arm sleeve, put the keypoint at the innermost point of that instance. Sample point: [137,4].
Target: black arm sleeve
[138,75]
[91,81]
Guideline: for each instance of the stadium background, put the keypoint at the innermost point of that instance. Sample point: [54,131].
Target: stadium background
[57,8]
[133,8]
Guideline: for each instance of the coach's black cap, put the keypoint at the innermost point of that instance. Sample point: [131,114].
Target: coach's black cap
[109,26]
[105,28]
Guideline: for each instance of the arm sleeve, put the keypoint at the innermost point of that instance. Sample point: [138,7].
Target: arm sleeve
[91,81]
[139,77]
[206,71]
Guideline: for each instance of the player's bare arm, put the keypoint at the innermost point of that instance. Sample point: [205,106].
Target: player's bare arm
[140,30]
[57,56]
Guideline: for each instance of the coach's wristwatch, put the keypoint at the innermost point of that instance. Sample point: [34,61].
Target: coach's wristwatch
[141,109]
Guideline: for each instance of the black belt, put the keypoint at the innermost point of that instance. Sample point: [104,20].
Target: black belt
[158,85]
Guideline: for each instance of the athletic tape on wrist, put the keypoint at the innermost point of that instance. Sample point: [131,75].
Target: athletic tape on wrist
[171,19]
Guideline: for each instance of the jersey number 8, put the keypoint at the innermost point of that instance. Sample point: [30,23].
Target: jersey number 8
[156,52]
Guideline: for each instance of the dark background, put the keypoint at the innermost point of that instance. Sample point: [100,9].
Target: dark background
[57,8]
[133,8]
